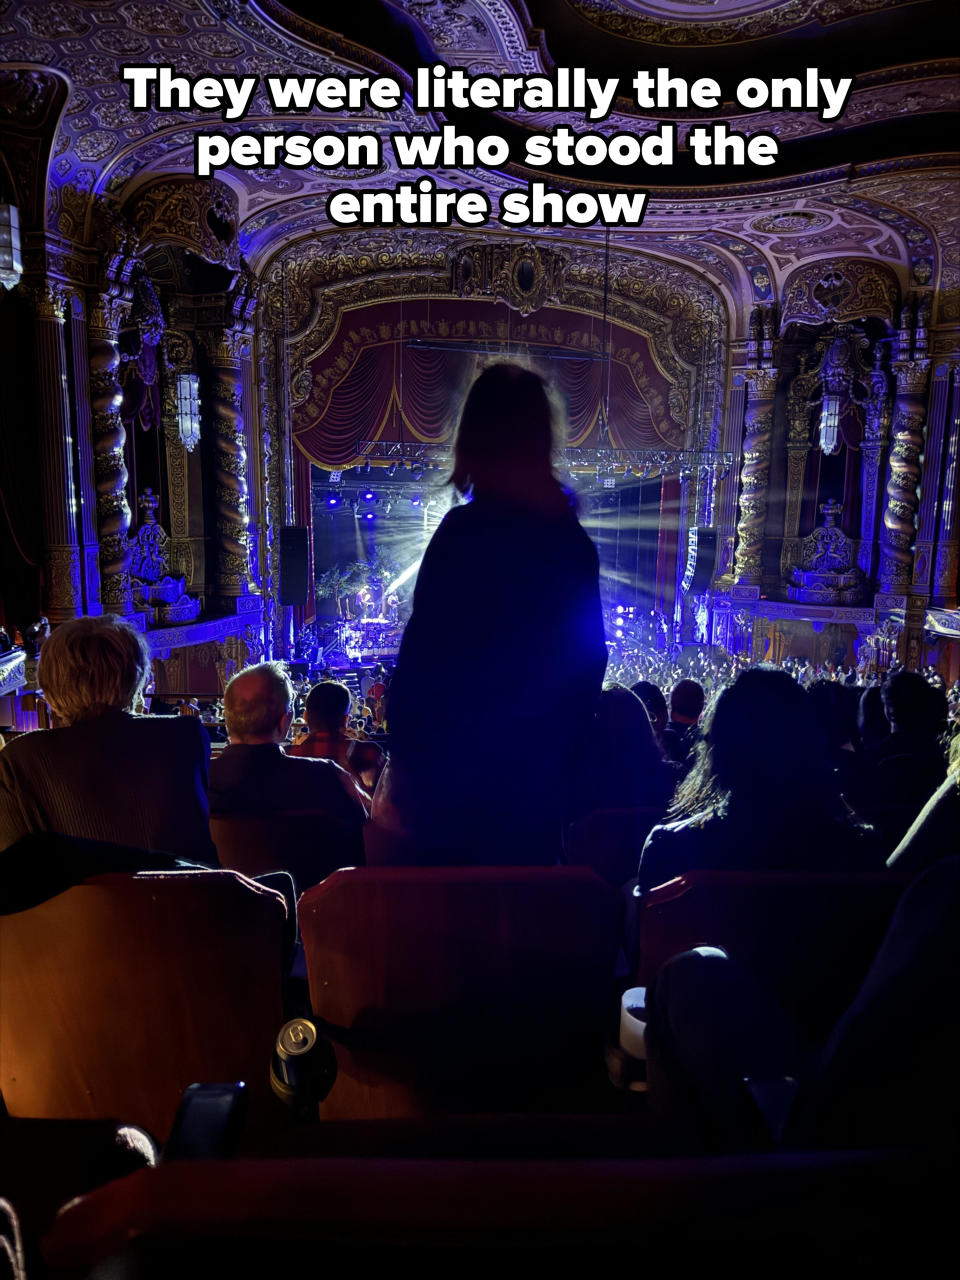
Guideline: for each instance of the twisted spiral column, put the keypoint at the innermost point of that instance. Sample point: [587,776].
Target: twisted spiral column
[755,475]
[109,438]
[225,399]
[63,592]
[903,475]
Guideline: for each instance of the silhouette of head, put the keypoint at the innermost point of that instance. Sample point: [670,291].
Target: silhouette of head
[505,438]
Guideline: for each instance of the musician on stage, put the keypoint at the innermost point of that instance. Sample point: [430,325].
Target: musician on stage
[392,604]
[364,602]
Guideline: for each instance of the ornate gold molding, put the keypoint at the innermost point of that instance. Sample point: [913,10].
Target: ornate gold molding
[838,289]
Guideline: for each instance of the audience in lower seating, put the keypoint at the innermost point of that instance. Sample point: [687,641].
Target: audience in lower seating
[104,773]
[775,777]
[760,794]
[682,733]
[253,775]
[327,711]
[901,771]
[624,767]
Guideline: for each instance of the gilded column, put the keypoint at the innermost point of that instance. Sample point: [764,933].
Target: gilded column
[109,438]
[903,478]
[948,525]
[798,447]
[873,449]
[63,591]
[755,476]
[226,350]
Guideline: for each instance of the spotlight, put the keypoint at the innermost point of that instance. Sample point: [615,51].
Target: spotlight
[369,495]
[392,470]
[415,500]
[368,515]
[333,500]
[416,470]
[619,608]
[619,634]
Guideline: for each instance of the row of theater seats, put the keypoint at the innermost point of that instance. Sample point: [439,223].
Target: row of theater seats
[451,988]
[311,843]
[444,992]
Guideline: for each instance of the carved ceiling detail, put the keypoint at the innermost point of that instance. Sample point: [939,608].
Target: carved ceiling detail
[631,19]
[200,215]
[839,289]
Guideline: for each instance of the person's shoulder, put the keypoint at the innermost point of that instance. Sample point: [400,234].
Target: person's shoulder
[20,751]
[185,728]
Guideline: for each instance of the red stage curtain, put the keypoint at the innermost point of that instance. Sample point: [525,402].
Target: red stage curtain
[369,384]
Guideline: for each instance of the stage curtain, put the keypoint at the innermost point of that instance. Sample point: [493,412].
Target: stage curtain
[358,408]
[430,391]
[578,383]
[369,384]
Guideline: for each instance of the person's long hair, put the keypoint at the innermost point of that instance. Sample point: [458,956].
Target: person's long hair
[762,748]
[505,440]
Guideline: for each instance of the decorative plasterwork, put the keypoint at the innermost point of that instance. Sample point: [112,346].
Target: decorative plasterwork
[201,216]
[751,19]
[839,289]
[524,276]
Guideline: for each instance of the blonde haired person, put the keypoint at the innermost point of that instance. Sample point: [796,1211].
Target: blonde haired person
[103,772]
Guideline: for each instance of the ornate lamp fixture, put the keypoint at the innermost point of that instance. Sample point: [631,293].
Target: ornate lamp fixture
[188,410]
[11,265]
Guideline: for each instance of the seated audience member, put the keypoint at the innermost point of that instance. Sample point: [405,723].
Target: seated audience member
[872,723]
[682,733]
[327,712]
[656,705]
[103,773]
[626,769]
[252,774]
[835,706]
[903,770]
[760,795]
[935,833]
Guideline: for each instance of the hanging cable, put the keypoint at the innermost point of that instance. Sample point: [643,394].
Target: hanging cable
[604,339]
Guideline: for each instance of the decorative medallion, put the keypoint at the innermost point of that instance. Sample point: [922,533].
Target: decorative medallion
[781,224]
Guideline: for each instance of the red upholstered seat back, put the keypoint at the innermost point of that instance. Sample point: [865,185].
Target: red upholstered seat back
[810,936]
[441,972]
[120,992]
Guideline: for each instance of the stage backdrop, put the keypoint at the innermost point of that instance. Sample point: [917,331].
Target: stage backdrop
[369,384]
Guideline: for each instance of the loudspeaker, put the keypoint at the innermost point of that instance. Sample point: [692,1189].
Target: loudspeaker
[294,565]
[706,556]
[701,554]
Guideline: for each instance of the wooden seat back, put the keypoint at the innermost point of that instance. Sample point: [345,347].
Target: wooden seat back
[458,981]
[119,993]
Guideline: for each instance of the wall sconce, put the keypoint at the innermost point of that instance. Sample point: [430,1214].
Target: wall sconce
[11,265]
[830,424]
[188,410]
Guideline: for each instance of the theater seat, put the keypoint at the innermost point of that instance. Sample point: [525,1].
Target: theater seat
[811,937]
[770,1214]
[610,841]
[120,992]
[460,988]
[309,843]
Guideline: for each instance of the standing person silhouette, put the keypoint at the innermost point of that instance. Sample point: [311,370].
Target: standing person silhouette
[507,636]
